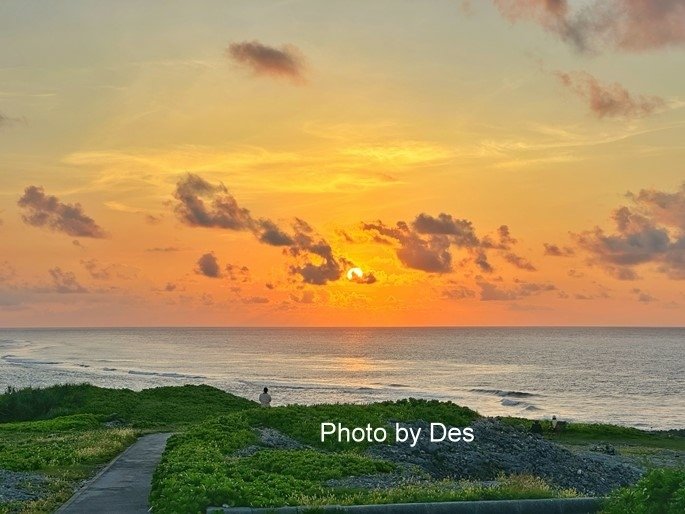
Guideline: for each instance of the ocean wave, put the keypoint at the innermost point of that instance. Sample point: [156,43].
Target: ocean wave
[504,393]
[28,362]
[165,374]
[508,402]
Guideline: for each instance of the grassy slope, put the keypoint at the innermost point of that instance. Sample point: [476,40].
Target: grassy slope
[61,432]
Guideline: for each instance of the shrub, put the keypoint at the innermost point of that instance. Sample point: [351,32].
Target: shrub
[660,491]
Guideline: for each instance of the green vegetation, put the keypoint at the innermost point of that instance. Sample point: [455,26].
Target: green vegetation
[588,433]
[204,466]
[304,422]
[150,408]
[660,491]
[65,433]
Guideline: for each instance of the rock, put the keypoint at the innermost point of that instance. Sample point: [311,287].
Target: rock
[499,448]
[21,486]
[274,439]
[604,448]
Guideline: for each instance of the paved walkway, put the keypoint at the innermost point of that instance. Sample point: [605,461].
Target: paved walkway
[124,485]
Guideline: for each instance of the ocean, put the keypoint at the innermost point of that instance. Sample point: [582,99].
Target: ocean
[626,376]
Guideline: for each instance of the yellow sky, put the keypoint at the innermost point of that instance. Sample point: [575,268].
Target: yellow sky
[134,140]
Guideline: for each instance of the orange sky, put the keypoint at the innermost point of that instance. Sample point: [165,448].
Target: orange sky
[484,163]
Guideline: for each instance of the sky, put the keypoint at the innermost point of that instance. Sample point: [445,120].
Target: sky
[211,163]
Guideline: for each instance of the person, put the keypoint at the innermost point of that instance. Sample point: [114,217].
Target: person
[554,423]
[536,428]
[265,398]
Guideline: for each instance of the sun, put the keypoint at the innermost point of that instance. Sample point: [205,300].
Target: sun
[353,273]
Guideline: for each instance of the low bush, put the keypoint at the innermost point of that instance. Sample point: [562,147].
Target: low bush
[660,491]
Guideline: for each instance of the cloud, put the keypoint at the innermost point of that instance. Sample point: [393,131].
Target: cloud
[106,272]
[519,262]
[64,282]
[328,268]
[623,25]
[366,278]
[458,293]
[208,265]
[554,250]
[284,62]
[642,296]
[609,100]
[47,211]
[461,230]
[272,235]
[492,292]
[202,204]
[427,243]
[163,249]
[304,297]
[237,273]
[651,230]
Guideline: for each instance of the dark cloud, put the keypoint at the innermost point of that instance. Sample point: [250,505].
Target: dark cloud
[47,211]
[65,282]
[427,243]
[649,231]
[558,251]
[208,265]
[366,278]
[624,25]
[609,100]
[461,230]
[284,62]
[202,204]
[519,262]
[272,235]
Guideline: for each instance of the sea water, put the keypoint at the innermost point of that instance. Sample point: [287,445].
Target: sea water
[627,376]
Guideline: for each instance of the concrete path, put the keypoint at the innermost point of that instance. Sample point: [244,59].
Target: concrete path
[124,485]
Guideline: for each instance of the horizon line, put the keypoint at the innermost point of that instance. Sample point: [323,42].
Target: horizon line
[311,327]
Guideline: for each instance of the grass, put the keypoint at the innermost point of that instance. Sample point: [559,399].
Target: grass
[589,433]
[62,432]
[157,408]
